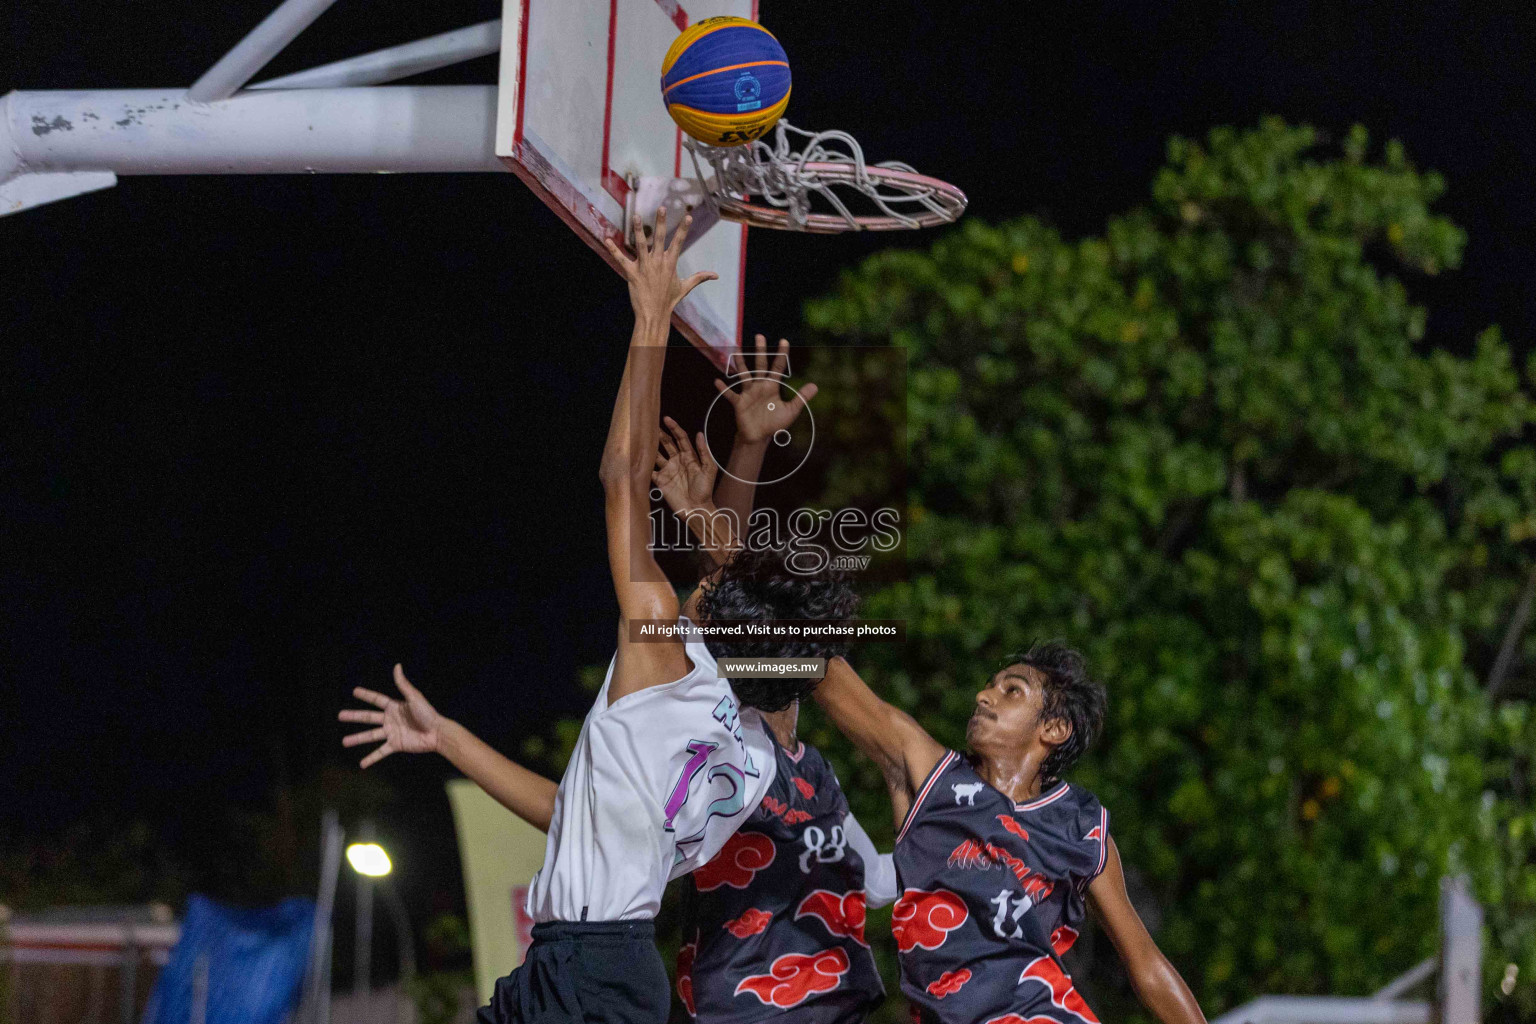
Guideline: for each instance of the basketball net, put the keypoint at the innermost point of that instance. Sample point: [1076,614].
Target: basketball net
[783,180]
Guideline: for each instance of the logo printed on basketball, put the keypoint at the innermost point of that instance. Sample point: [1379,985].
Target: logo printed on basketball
[748,89]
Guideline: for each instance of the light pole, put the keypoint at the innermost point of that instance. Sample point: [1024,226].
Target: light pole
[371,862]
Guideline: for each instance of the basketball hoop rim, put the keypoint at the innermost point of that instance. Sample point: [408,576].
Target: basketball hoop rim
[847,172]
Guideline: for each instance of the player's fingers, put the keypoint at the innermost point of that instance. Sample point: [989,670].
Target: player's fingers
[374,717]
[369,736]
[726,391]
[680,236]
[404,684]
[682,439]
[659,232]
[781,361]
[696,280]
[637,230]
[376,756]
[706,457]
[803,396]
[619,255]
[378,700]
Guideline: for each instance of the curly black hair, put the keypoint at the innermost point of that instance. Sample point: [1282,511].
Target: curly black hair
[1071,695]
[759,585]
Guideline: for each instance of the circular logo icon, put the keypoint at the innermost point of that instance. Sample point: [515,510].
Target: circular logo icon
[748,87]
[781,438]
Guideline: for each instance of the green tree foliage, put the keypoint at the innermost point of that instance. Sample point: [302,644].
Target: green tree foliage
[93,861]
[1214,449]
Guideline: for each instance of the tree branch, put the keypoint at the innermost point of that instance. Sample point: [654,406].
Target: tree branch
[1499,676]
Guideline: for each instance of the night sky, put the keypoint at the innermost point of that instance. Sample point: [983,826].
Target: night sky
[260,437]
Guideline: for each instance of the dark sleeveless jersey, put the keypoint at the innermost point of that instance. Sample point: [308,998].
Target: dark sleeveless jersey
[992,892]
[775,922]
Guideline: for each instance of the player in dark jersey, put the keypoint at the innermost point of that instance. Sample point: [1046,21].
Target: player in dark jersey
[997,856]
[774,925]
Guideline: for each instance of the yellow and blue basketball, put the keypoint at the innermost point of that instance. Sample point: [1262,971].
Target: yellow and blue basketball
[725,81]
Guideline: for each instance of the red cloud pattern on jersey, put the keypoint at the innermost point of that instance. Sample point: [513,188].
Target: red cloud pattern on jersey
[949,983]
[751,922]
[925,919]
[1013,1018]
[795,976]
[685,975]
[842,915]
[743,856]
[806,789]
[1013,826]
[1062,939]
[1064,995]
[1096,833]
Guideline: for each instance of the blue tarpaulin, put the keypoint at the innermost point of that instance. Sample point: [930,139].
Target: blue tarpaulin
[255,962]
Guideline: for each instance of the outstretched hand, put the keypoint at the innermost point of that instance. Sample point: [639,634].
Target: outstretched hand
[761,409]
[685,476]
[654,288]
[411,726]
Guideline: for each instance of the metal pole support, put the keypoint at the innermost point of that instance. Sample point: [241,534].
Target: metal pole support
[1461,953]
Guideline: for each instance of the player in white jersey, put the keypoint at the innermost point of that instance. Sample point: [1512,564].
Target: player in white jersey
[671,759]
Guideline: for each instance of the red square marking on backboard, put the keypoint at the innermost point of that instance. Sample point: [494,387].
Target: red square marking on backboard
[614,184]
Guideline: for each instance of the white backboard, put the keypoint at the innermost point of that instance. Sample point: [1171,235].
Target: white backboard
[580,112]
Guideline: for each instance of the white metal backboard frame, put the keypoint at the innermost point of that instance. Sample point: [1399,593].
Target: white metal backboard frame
[579,114]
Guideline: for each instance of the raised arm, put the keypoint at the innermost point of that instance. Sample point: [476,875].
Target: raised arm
[628,455]
[1157,983]
[761,411]
[685,476]
[886,734]
[413,726]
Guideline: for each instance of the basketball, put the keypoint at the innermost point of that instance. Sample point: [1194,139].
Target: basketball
[725,81]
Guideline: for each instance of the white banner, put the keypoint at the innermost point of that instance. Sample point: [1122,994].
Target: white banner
[499,853]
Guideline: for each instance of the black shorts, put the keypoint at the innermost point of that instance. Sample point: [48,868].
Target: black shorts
[582,973]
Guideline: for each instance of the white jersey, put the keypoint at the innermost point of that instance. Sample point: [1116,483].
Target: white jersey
[656,785]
